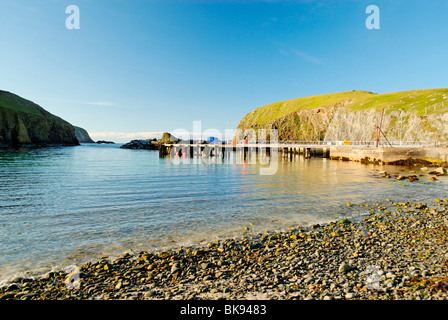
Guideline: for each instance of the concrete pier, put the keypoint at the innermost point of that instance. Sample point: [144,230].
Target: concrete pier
[249,152]
[387,155]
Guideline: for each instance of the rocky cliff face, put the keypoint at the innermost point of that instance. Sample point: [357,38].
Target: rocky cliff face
[82,135]
[303,125]
[24,123]
[343,120]
[397,126]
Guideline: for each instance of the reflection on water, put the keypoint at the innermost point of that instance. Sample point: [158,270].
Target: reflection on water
[61,206]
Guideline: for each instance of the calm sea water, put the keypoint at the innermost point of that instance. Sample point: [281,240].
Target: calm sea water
[65,206]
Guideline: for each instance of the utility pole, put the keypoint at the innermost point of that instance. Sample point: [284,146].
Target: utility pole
[378,128]
[401,127]
[378,131]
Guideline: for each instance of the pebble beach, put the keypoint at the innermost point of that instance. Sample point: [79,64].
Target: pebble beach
[396,252]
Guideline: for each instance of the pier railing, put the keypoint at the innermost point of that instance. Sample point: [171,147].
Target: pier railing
[251,150]
[381,143]
[321,144]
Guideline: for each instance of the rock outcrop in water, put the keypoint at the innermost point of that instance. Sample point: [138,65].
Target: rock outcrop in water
[24,123]
[150,144]
[141,145]
[168,138]
[417,115]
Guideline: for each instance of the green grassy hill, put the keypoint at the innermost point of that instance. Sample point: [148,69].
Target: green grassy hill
[418,102]
[351,114]
[22,122]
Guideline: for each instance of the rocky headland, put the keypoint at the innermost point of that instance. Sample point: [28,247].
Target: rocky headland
[409,116]
[82,135]
[24,123]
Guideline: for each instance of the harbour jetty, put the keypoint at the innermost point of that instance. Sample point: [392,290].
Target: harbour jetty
[358,125]
[388,155]
[332,150]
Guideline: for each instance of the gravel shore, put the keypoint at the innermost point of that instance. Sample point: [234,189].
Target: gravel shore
[398,251]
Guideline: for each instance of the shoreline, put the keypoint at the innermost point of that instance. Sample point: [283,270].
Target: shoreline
[394,252]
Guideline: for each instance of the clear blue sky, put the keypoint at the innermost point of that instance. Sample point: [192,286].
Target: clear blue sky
[152,66]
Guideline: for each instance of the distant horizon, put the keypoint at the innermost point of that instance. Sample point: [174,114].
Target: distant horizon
[124,70]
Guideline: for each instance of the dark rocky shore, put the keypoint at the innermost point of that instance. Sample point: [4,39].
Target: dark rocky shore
[398,251]
[150,144]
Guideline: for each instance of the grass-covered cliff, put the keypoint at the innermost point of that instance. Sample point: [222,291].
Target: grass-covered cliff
[415,115]
[24,123]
